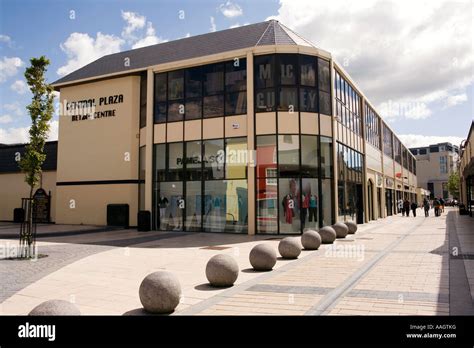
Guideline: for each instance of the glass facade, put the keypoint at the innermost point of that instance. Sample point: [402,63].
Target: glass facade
[211,90]
[292,82]
[348,104]
[372,127]
[387,141]
[201,186]
[349,184]
[293,185]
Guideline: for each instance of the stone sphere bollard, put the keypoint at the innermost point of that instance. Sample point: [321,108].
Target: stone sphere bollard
[55,307]
[222,270]
[328,235]
[160,292]
[311,240]
[263,257]
[289,247]
[352,226]
[341,229]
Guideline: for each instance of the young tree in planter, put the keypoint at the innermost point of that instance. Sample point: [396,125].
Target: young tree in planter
[41,111]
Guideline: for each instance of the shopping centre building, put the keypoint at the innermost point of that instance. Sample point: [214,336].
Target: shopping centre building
[466,173]
[249,130]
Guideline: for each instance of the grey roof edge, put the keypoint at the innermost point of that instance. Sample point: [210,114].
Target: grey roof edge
[83,74]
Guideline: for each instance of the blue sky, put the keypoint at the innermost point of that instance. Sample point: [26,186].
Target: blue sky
[433,102]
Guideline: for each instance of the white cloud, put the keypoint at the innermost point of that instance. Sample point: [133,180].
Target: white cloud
[395,50]
[134,22]
[15,108]
[417,140]
[19,86]
[20,134]
[14,135]
[5,119]
[453,100]
[82,49]
[149,39]
[236,25]
[213,24]
[9,67]
[231,10]
[6,39]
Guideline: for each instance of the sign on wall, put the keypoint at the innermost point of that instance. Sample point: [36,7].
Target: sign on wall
[42,206]
[86,109]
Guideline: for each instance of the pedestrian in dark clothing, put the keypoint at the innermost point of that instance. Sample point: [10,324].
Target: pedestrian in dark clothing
[426,205]
[436,206]
[414,206]
[406,207]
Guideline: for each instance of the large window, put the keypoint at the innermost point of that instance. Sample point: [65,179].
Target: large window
[201,185]
[290,170]
[348,104]
[397,150]
[372,126]
[205,91]
[289,82]
[349,186]
[387,141]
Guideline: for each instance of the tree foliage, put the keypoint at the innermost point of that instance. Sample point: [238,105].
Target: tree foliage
[41,112]
[453,184]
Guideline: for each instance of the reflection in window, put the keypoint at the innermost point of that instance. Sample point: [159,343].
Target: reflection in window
[308,100]
[324,103]
[214,159]
[236,158]
[265,100]
[160,162]
[264,71]
[288,155]
[288,99]
[169,203]
[176,111]
[309,156]
[326,157]
[176,85]
[266,154]
[175,162]
[324,76]
[308,70]
[160,113]
[236,76]
[225,206]
[214,106]
[193,82]
[193,206]
[288,64]
[160,87]
[267,207]
[193,109]
[213,79]
[236,103]
[193,160]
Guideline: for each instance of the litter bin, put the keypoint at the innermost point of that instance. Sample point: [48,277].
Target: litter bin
[117,215]
[18,215]
[144,221]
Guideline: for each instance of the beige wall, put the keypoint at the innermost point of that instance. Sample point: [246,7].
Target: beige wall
[13,188]
[102,149]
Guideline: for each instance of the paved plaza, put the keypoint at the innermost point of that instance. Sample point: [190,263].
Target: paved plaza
[394,266]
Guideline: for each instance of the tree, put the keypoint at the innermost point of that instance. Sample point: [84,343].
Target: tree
[453,184]
[41,112]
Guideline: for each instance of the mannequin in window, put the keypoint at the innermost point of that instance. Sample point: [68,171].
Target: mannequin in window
[288,205]
[304,208]
[162,204]
[313,208]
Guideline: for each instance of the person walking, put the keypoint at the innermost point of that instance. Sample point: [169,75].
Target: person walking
[441,205]
[436,206]
[406,207]
[400,207]
[414,206]
[426,206]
